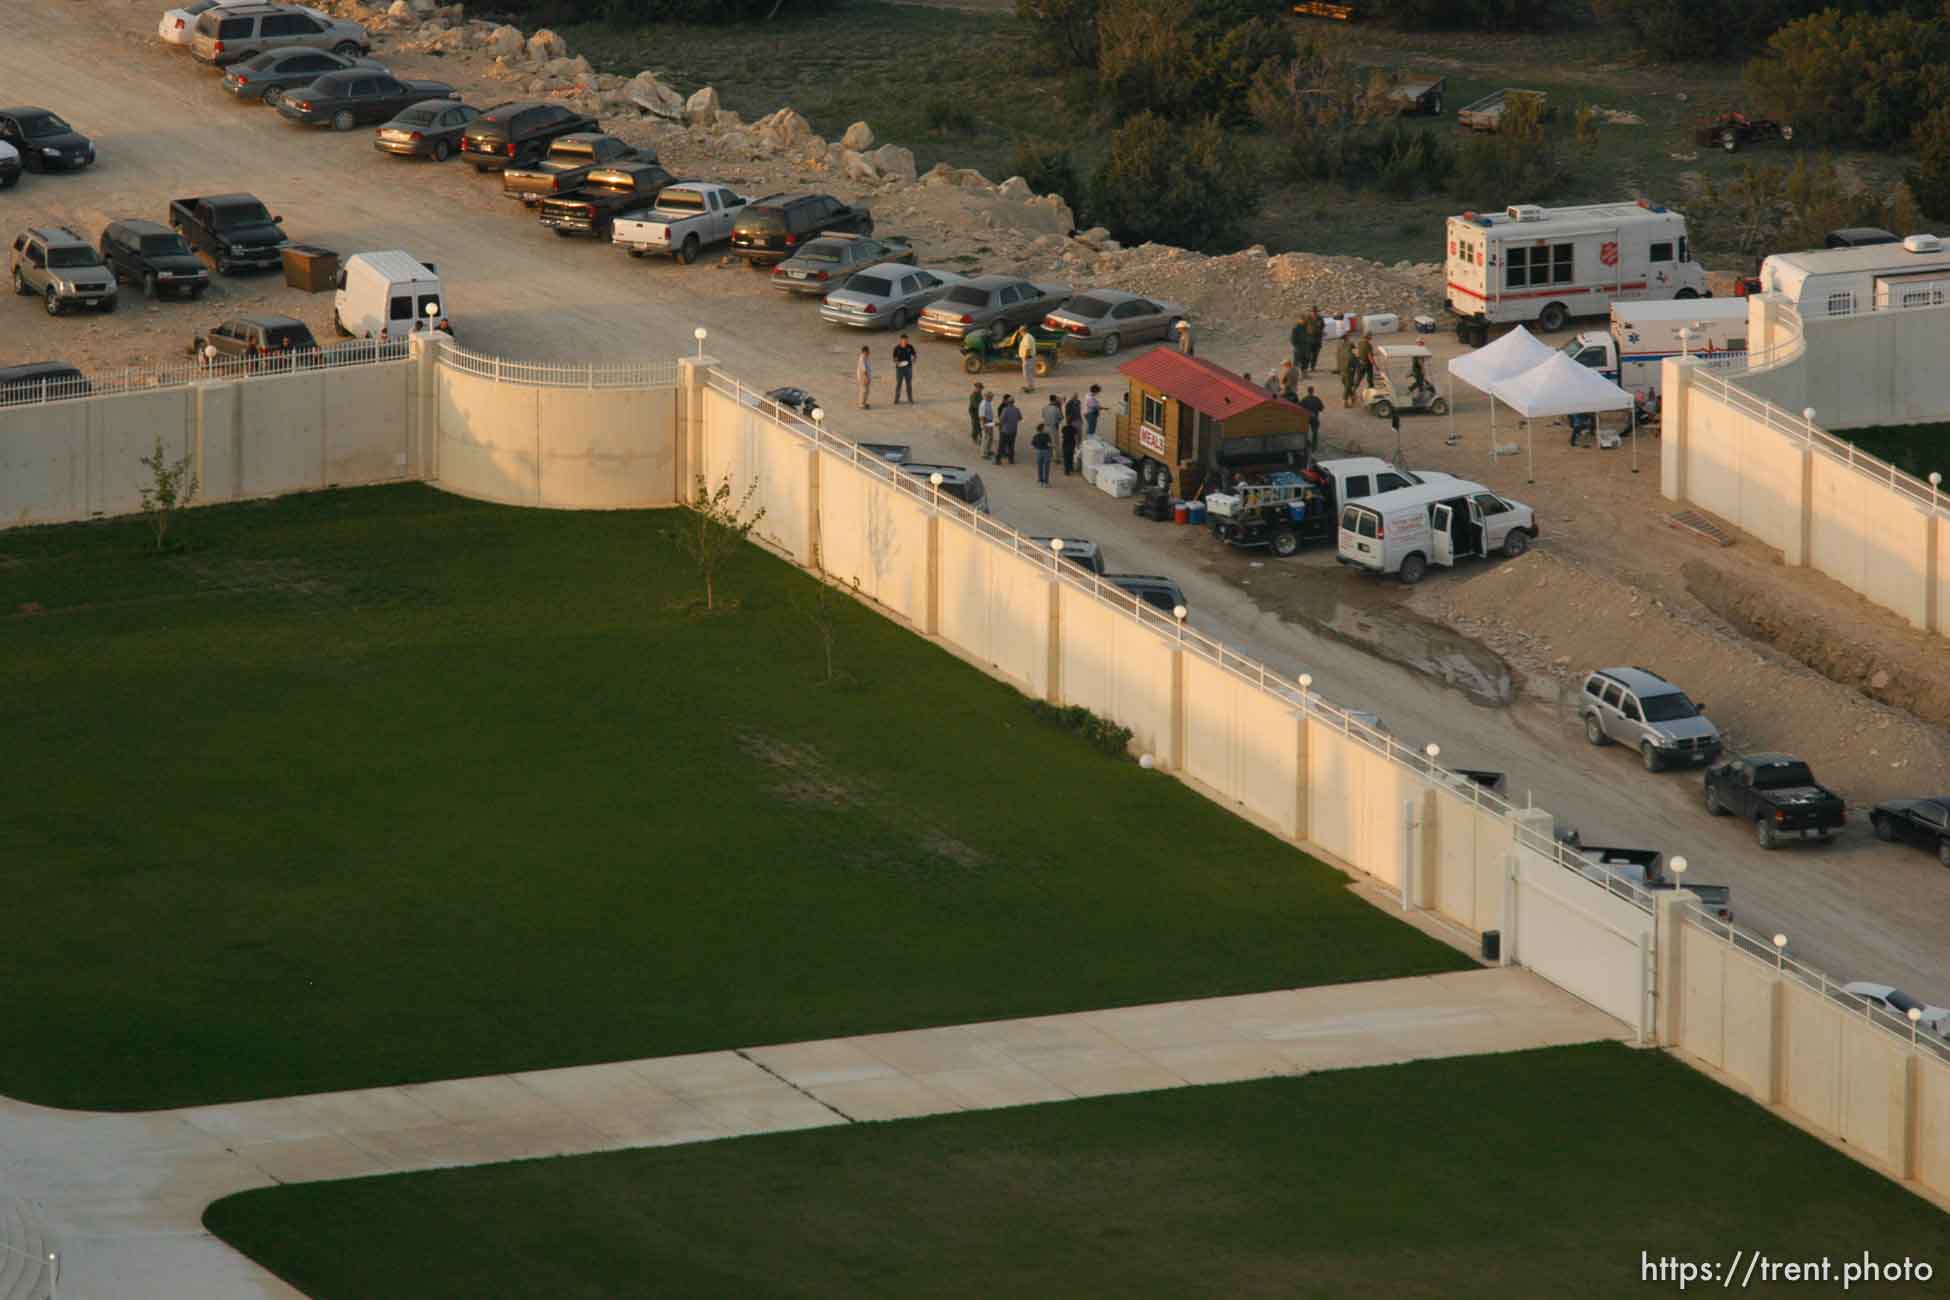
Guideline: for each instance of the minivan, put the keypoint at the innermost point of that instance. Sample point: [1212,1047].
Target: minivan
[388,295]
[1439,522]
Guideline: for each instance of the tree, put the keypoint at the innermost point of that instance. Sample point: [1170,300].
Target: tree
[1930,178]
[1852,79]
[821,607]
[1189,186]
[1769,208]
[1185,59]
[1322,113]
[1049,169]
[715,529]
[172,486]
[1068,26]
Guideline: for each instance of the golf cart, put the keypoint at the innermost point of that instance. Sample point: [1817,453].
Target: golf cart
[1282,514]
[1401,383]
[984,349]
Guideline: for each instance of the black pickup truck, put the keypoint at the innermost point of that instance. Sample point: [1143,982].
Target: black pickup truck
[231,230]
[607,194]
[1778,794]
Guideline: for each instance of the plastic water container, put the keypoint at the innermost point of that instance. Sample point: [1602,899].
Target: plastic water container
[1425,324]
[1091,454]
[1117,481]
[1196,510]
[1381,322]
[1333,327]
[1181,512]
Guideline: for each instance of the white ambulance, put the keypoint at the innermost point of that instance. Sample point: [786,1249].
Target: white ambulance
[1547,265]
[1644,334]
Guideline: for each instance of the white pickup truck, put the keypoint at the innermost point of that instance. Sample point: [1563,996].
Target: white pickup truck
[688,216]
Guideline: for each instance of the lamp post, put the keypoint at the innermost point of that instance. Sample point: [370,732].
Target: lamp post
[934,481]
[1808,414]
[818,414]
[1678,867]
[1056,548]
[1685,341]
[1434,751]
[1915,1015]
[700,334]
[1178,612]
[1306,687]
[1780,952]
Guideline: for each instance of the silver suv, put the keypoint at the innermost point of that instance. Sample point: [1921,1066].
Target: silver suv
[63,268]
[233,32]
[1639,708]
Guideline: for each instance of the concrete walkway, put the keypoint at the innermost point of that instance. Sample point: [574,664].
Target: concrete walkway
[122,1195]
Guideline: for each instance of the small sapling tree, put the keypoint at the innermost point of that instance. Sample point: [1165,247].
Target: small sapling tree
[715,528]
[172,485]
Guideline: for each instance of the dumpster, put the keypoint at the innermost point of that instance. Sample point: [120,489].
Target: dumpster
[309,267]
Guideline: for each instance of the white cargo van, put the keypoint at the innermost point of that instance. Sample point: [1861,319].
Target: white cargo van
[1845,281]
[388,295]
[1644,334]
[1529,263]
[1439,522]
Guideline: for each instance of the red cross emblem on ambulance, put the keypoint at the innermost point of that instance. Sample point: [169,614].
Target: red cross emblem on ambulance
[1608,252]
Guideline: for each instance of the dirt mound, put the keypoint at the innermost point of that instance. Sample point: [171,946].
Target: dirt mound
[1556,621]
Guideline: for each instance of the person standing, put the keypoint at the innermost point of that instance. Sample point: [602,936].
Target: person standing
[1350,367]
[1316,334]
[1044,447]
[1364,354]
[1185,338]
[1299,341]
[863,372]
[1092,408]
[1289,380]
[988,425]
[1313,406]
[1026,353]
[1072,434]
[1008,420]
[1051,421]
[975,414]
[903,370]
[1344,358]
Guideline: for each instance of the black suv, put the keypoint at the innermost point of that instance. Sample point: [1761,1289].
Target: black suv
[152,255]
[772,229]
[45,142]
[40,381]
[518,134]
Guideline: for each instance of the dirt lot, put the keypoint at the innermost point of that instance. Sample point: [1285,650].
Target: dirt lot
[1472,659]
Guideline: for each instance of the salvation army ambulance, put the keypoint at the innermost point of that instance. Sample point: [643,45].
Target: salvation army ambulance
[1530,263]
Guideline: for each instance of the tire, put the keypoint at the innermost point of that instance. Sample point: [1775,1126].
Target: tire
[1553,318]
[442,151]
[53,302]
[343,120]
[561,233]
[971,363]
[687,251]
[1440,406]
[1687,294]
[1111,344]
[1285,543]
[1414,566]
[348,50]
[151,287]
[1595,733]
[1943,852]
[1045,362]
[8,182]
[1516,542]
[197,292]
[866,227]
[1764,834]
[1884,831]
[338,326]
[1382,408]
[897,321]
[1650,757]
[1729,139]
[272,98]
[1713,805]
[20,284]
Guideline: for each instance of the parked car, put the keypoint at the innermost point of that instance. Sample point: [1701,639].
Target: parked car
[1158,592]
[152,255]
[45,142]
[63,268]
[824,263]
[178,26]
[1080,551]
[771,229]
[957,481]
[779,400]
[605,195]
[343,100]
[519,132]
[1733,131]
[688,217]
[265,342]
[990,302]
[1637,707]
[886,297]
[9,164]
[388,295]
[267,76]
[41,381]
[1104,320]
[570,160]
[230,34]
[1779,794]
[1922,822]
[429,129]
[232,230]
[1898,1004]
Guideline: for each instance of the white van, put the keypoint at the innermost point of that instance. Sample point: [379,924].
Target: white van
[1405,531]
[388,296]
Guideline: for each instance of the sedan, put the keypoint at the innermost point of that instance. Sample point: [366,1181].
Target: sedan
[991,301]
[1922,822]
[342,100]
[826,262]
[430,129]
[178,26]
[886,297]
[267,76]
[45,142]
[1898,1005]
[1104,320]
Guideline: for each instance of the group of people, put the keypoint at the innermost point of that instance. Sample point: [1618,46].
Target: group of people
[904,355]
[993,425]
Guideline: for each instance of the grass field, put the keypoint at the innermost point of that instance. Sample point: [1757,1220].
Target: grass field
[1538,1174]
[377,786]
[1913,448]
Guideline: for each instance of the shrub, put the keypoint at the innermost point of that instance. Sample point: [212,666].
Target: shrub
[1320,111]
[1930,178]
[945,117]
[1768,208]
[1189,186]
[1516,159]
[1474,15]
[1066,26]
[1049,169]
[1099,731]
[1852,79]
[1185,59]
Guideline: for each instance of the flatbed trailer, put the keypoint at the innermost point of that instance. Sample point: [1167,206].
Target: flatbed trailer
[1486,114]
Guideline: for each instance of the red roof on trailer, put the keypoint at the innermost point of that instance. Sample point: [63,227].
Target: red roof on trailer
[1207,388]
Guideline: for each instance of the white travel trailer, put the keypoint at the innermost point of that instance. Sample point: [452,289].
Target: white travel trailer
[1529,263]
[388,295]
[1844,281]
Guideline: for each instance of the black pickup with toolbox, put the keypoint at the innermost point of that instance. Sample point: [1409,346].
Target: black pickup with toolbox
[1778,794]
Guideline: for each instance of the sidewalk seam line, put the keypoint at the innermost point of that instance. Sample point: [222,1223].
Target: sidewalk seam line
[745,1055]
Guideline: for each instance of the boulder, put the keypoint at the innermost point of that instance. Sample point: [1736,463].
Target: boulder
[504,42]
[858,137]
[894,161]
[425,8]
[576,70]
[940,174]
[1051,213]
[1096,236]
[545,45]
[786,128]
[402,13]
[655,98]
[702,107]
[855,166]
[1015,188]
[729,121]
[970,179]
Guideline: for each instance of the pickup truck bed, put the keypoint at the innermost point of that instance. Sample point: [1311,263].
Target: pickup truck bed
[1486,114]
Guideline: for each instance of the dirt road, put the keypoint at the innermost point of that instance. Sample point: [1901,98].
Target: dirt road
[163,127]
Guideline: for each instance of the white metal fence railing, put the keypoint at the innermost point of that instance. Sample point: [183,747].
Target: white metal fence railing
[33,391]
[539,374]
[1915,1034]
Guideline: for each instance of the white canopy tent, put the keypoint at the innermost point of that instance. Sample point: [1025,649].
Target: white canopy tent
[1509,356]
[1560,386]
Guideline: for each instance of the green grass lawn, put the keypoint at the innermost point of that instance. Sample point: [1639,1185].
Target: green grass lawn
[1913,448]
[1537,1174]
[385,785]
